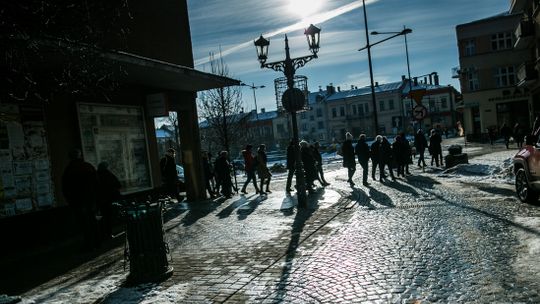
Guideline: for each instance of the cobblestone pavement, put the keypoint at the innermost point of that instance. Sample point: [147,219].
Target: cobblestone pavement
[420,239]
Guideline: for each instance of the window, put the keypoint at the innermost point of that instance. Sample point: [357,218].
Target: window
[341,111]
[319,112]
[354,109]
[311,118]
[303,115]
[505,76]
[444,103]
[381,105]
[472,80]
[320,125]
[334,112]
[501,41]
[360,110]
[304,127]
[470,48]
[391,104]
[366,108]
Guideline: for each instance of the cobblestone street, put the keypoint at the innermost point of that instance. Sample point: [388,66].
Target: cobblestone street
[425,238]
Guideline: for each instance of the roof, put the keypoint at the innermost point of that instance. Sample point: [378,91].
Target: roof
[491,18]
[268,115]
[422,86]
[386,87]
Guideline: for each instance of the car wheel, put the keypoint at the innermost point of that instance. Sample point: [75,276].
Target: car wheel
[523,189]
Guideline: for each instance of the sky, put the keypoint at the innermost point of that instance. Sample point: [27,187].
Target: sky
[229,27]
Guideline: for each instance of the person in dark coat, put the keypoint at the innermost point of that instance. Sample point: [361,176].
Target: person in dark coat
[397,155]
[208,174]
[249,166]
[291,162]
[80,186]
[318,159]
[491,135]
[376,158]
[519,134]
[362,152]
[310,166]
[349,160]
[262,169]
[169,175]
[109,191]
[222,169]
[406,157]
[506,132]
[420,143]
[387,157]
[435,141]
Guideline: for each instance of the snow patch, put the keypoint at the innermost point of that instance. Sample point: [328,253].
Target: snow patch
[528,259]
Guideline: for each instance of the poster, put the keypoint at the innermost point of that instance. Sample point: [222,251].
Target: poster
[43,188]
[22,167]
[23,185]
[42,176]
[41,164]
[15,134]
[24,204]
[44,200]
[8,210]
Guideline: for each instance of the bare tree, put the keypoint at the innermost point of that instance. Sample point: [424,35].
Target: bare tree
[223,110]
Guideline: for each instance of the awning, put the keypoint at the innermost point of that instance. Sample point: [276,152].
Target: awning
[166,75]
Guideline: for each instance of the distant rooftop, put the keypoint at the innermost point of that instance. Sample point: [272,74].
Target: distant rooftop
[500,15]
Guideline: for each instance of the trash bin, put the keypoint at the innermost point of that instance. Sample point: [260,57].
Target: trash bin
[146,248]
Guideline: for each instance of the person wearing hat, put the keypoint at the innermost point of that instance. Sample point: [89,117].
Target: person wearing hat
[169,176]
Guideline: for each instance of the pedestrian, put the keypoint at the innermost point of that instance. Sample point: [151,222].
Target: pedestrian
[212,173]
[362,152]
[310,168]
[318,159]
[169,176]
[262,169]
[249,166]
[407,155]
[222,169]
[349,160]
[519,135]
[491,135]
[291,162]
[398,154]
[445,130]
[420,143]
[435,147]
[109,192]
[387,157]
[80,187]
[506,132]
[376,158]
[208,174]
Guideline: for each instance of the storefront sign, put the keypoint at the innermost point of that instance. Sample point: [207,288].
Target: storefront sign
[157,105]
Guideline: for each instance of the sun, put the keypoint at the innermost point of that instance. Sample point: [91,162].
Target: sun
[304,8]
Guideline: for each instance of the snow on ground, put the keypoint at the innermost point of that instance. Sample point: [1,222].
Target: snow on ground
[490,167]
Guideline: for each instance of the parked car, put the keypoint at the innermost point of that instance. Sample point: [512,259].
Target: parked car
[181,178]
[527,172]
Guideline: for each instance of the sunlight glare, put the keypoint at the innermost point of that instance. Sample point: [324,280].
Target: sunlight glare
[304,8]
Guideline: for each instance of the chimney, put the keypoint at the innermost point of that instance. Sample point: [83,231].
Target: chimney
[352,87]
[415,81]
[436,79]
[355,87]
[330,89]
[338,89]
[263,110]
[425,80]
[376,83]
[402,77]
[430,79]
[320,89]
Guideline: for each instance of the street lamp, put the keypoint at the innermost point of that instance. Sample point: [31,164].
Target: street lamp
[368,47]
[254,87]
[293,99]
[404,32]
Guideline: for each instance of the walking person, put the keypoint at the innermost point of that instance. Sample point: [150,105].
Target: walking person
[519,135]
[318,159]
[109,191]
[291,162]
[208,174]
[407,157]
[169,176]
[79,186]
[262,169]
[506,132]
[362,152]
[420,143]
[398,156]
[387,157]
[249,166]
[310,167]
[349,160]
[223,174]
[376,158]
[435,147]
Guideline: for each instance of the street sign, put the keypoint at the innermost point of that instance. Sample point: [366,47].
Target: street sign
[419,112]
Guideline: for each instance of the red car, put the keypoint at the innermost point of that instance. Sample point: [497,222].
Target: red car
[527,172]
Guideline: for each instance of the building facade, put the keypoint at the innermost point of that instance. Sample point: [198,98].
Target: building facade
[490,59]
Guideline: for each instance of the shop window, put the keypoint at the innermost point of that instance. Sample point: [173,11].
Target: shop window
[116,135]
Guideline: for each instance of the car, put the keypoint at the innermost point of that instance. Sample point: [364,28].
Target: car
[526,167]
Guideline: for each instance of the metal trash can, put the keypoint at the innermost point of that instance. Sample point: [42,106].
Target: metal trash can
[146,249]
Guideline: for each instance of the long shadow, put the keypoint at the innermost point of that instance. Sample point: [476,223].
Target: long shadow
[498,191]
[402,188]
[243,213]
[119,295]
[197,211]
[361,198]
[423,182]
[380,197]
[300,219]
[226,212]
[288,204]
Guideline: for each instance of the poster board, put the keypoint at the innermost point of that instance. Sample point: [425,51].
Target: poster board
[25,182]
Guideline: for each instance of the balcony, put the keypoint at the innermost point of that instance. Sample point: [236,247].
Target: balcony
[527,74]
[524,34]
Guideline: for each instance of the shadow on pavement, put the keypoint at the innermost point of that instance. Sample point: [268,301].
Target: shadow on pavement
[226,212]
[498,191]
[246,209]
[402,188]
[199,210]
[380,197]
[362,198]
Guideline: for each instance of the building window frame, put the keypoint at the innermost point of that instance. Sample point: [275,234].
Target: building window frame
[502,41]
[505,76]
[469,48]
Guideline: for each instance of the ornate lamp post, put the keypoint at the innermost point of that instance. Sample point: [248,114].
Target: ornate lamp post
[404,32]
[254,87]
[293,99]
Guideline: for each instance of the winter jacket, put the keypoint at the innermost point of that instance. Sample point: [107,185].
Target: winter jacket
[348,154]
[362,151]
